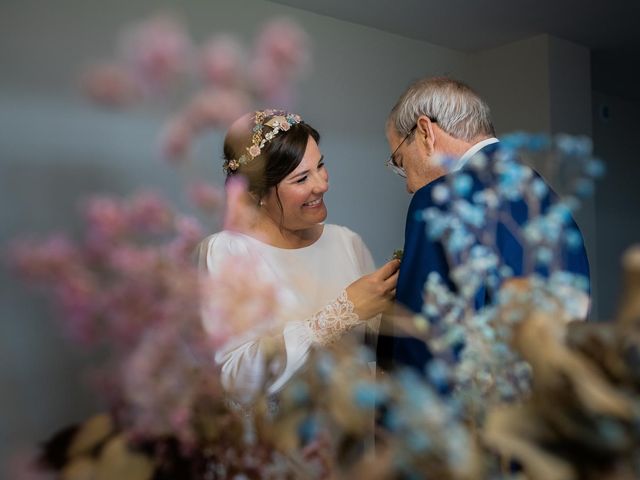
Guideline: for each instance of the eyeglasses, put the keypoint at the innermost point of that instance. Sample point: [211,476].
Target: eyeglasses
[391,162]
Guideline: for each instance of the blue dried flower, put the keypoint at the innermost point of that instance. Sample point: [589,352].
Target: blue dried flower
[514,141]
[582,283]
[584,187]
[469,213]
[505,389]
[368,395]
[595,168]
[539,188]
[430,310]
[538,142]
[505,271]
[560,212]
[418,441]
[459,240]
[478,161]
[612,431]
[325,366]
[511,179]
[391,420]
[438,375]
[436,222]
[574,146]
[299,392]
[573,239]
[462,184]
[533,232]
[447,162]
[440,194]
[308,429]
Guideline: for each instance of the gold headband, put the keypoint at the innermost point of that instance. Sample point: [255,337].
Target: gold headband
[277,120]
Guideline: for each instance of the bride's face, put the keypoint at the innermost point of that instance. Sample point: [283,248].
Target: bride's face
[301,193]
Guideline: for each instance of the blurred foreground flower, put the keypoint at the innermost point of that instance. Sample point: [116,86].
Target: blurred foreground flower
[157,50]
[468,319]
[123,276]
[131,286]
[581,420]
[156,53]
[223,62]
[205,197]
[110,85]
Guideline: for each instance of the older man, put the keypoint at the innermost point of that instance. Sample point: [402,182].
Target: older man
[439,118]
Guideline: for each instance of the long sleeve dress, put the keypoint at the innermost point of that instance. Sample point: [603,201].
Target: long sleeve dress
[313,307]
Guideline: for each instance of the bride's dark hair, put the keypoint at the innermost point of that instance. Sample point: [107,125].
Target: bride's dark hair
[278,158]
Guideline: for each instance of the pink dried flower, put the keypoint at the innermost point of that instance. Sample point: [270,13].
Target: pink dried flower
[189,233]
[76,294]
[110,84]
[157,49]
[130,260]
[163,378]
[266,78]
[176,138]
[216,108]
[222,60]
[129,307]
[205,196]
[106,219]
[282,55]
[241,210]
[189,228]
[238,298]
[42,262]
[151,386]
[285,44]
[148,212]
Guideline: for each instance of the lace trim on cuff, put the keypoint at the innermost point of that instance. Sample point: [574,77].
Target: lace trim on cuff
[333,320]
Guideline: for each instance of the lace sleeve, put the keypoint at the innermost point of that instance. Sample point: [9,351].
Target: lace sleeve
[333,320]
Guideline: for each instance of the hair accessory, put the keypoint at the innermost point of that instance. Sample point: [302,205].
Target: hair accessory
[277,121]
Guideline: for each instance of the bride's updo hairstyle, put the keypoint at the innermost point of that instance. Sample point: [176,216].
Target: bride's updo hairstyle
[265,147]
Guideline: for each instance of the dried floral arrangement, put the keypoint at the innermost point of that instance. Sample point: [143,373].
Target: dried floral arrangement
[131,284]
[131,287]
[581,419]
[157,55]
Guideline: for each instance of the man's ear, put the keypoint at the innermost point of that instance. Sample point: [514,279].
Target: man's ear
[425,133]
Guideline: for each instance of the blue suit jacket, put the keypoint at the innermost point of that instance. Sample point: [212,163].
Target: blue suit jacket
[423,255]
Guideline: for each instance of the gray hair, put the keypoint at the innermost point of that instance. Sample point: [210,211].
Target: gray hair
[456,108]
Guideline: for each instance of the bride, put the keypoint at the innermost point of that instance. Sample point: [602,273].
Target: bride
[325,272]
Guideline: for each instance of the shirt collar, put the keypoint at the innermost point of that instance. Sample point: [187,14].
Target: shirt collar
[472,151]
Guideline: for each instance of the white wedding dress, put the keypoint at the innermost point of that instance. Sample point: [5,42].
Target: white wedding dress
[313,307]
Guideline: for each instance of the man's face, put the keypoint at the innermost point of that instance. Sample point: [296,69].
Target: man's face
[415,158]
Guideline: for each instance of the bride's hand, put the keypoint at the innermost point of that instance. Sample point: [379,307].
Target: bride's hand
[374,293]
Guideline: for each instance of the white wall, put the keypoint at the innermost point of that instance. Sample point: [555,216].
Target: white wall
[514,80]
[569,87]
[618,194]
[540,84]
